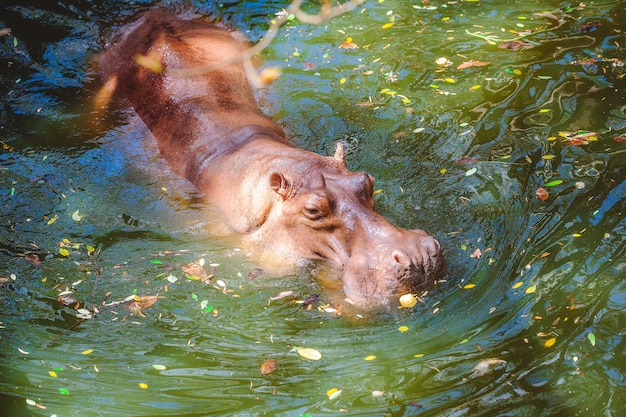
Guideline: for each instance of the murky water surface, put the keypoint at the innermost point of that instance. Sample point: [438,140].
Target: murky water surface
[529,321]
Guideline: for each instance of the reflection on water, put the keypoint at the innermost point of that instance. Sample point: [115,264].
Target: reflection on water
[528,322]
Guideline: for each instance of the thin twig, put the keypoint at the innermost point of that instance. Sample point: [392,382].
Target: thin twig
[327,12]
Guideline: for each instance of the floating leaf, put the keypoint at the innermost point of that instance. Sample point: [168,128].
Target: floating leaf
[403,329]
[64,252]
[141,302]
[87,352]
[143,385]
[476,254]
[542,194]
[52,374]
[592,339]
[76,216]
[548,157]
[550,342]
[554,183]
[309,353]
[408,300]
[52,219]
[387,25]
[471,63]
[486,366]
[159,367]
[515,45]
[268,366]
[544,111]
[419,355]
[64,391]
[333,393]
[531,289]
[471,171]
[463,341]
[475,87]
[31,402]
[449,80]
[348,45]
[370,357]
[517,285]
[156,262]
[469,286]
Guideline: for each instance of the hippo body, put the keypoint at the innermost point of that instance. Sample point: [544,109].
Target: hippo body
[285,201]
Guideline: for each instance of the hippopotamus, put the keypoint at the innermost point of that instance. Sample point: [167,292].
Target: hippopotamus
[284,201]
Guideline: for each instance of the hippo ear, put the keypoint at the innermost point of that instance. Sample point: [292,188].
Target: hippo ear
[340,155]
[280,184]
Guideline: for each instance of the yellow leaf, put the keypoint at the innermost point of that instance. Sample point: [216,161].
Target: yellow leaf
[143,385]
[52,374]
[468,286]
[549,156]
[549,342]
[402,329]
[333,393]
[370,357]
[53,219]
[387,25]
[517,285]
[342,81]
[449,80]
[408,300]
[517,72]
[531,289]
[309,353]
[475,87]
[576,235]
[419,355]
[87,352]
[552,138]
[64,252]
[544,111]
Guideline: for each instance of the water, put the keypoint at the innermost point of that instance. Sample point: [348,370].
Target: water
[532,325]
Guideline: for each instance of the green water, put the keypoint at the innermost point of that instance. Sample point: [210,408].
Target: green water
[531,327]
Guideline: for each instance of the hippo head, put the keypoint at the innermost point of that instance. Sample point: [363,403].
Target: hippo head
[328,213]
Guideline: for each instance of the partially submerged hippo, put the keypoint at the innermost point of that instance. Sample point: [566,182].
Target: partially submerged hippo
[284,200]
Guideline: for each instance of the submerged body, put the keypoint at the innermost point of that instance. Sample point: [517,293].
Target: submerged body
[284,200]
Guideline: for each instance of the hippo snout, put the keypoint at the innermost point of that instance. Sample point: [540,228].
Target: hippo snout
[377,275]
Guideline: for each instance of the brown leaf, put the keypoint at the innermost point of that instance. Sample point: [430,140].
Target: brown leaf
[194,269]
[471,63]
[486,366]
[254,274]
[620,138]
[66,299]
[348,45]
[515,45]
[542,194]
[33,259]
[141,303]
[268,366]
[581,138]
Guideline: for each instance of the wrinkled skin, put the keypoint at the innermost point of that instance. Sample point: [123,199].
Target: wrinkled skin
[285,201]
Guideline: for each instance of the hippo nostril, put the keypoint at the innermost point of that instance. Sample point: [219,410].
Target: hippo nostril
[401,258]
[432,246]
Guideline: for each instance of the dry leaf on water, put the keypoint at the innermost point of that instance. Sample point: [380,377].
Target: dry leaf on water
[268,366]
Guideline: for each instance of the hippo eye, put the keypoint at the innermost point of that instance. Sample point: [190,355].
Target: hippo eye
[316,208]
[313,213]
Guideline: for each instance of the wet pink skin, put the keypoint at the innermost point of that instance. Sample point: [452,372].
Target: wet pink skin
[282,199]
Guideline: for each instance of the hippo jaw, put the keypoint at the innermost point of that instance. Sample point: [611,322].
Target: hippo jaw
[374,277]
